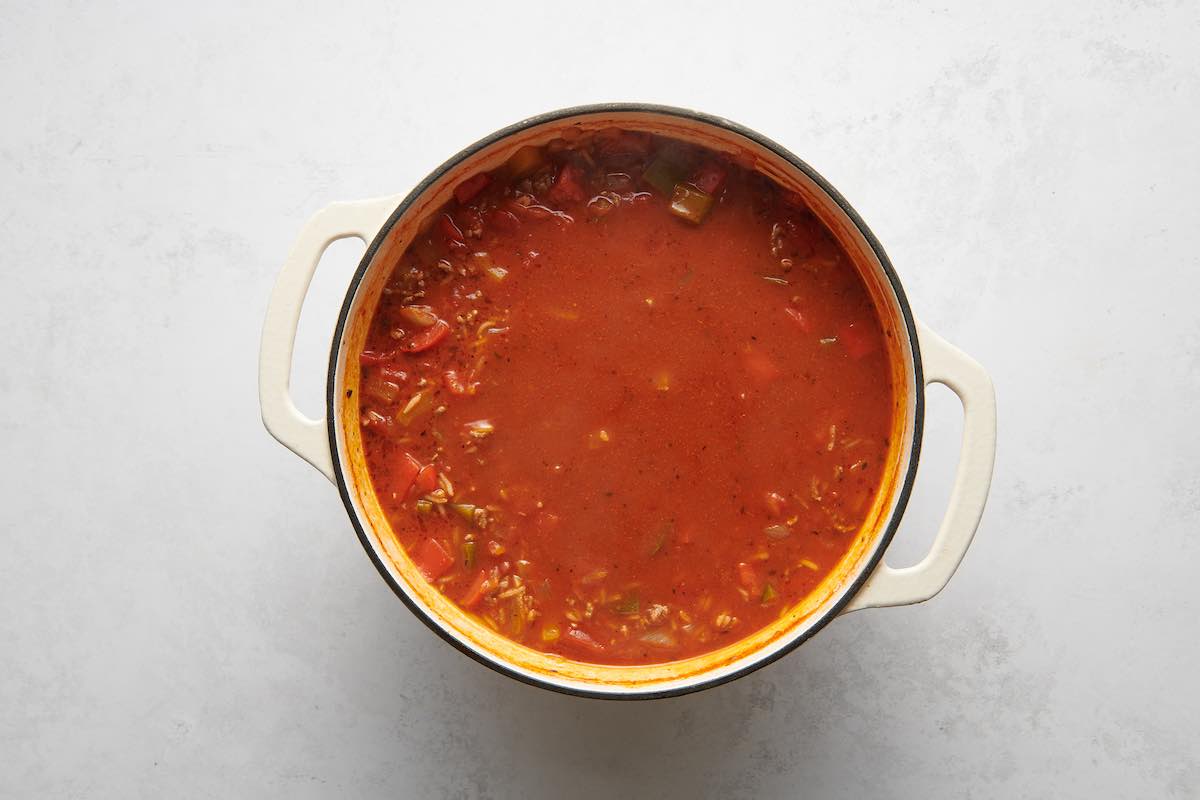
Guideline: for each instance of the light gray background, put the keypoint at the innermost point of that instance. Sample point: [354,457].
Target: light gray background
[184,610]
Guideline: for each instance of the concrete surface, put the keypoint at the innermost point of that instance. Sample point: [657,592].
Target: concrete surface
[184,611]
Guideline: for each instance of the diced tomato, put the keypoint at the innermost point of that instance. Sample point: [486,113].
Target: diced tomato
[568,186]
[450,229]
[858,340]
[748,578]
[513,207]
[406,472]
[802,322]
[503,220]
[426,480]
[426,337]
[466,191]
[475,592]
[432,559]
[369,358]
[709,177]
[761,367]
[577,638]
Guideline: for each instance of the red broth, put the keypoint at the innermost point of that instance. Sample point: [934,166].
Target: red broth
[624,400]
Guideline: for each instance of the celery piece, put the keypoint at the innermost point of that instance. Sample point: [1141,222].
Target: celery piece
[690,203]
[464,510]
[628,604]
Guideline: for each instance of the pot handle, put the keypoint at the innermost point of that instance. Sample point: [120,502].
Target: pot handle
[303,436]
[945,364]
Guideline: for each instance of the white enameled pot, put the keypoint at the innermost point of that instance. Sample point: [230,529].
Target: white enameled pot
[861,580]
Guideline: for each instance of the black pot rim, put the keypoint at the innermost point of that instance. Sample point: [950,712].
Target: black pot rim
[903,493]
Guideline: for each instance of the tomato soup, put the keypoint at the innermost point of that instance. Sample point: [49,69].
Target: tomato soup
[625,400]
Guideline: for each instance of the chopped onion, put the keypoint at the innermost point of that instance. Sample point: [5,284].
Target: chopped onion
[385,392]
[480,428]
[421,316]
[777,531]
[658,638]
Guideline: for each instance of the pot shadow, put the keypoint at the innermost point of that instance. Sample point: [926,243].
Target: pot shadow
[753,737]
[386,709]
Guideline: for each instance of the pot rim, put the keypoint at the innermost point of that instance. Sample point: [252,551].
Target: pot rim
[904,487]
